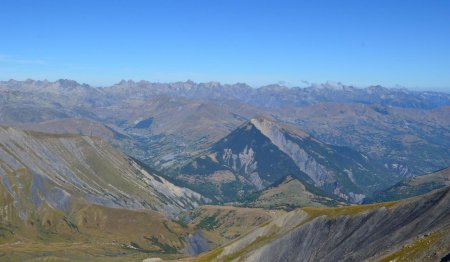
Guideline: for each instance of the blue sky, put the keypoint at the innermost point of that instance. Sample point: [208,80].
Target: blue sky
[360,42]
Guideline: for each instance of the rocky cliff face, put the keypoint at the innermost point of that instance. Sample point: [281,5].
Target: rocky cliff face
[262,151]
[86,167]
[307,164]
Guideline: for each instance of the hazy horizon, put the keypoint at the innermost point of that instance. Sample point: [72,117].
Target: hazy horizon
[304,84]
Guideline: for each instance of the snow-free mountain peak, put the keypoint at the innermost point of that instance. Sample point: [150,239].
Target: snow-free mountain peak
[262,151]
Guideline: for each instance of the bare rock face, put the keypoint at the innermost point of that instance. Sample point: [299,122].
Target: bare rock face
[86,167]
[307,164]
[245,163]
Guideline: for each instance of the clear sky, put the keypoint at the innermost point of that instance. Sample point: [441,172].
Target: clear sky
[359,42]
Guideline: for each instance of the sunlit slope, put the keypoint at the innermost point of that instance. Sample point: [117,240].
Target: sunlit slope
[34,224]
[85,167]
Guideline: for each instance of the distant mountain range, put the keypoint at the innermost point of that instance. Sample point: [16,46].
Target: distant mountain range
[281,96]
[180,120]
[266,96]
[166,125]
